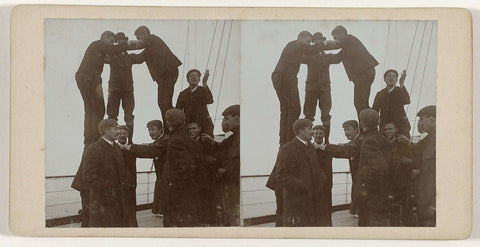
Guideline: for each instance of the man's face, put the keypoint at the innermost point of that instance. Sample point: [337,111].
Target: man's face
[350,132]
[391,79]
[154,131]
[305,40]
[426,124]
[193,78]
[141,36]
[318,135]
[339,36]
[230,123]
[110,133]
[390,131]
[108,40]
[194,130]
[306,133]
[122,135]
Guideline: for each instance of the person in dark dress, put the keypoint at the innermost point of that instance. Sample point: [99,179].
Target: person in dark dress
[194,100]
[120,85]
[162,65]
[390,101]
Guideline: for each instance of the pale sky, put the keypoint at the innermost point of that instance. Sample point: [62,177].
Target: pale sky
[262,44]
[253,52]
[66,41]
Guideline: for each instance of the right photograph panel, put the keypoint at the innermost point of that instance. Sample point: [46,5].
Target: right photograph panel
[339,123]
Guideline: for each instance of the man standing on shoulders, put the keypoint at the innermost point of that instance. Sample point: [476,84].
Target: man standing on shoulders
[106,177]
[359,65]
[302,179]
[162,65]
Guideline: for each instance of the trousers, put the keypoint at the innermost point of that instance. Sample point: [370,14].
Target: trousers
[324,99]
[166,85]
[287,93]
[361,90]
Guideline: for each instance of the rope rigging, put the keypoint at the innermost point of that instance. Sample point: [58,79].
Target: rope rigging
[185,55]
[416,64]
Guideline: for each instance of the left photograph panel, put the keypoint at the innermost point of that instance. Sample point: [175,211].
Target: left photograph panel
[142,123]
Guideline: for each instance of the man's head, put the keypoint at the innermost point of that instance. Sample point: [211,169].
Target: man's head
[194,130]
[427,121]
[305,37]
[108,38]
[390,130]
[122,134]
[319,133]
[368,119]
[231,118]
[175,118]
[339,33]
[193,77]
[120,37]
[108,129]
[142,33]
[155,129]
[318,37]
[350,128]
[390,77]
[303,129]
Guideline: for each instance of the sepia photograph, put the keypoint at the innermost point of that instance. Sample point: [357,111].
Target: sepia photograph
[142,123]
[345,116]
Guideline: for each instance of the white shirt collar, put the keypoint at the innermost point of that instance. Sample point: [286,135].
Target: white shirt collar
[304,142]
[391,90]
[195,88]
[109,142]
[163,133]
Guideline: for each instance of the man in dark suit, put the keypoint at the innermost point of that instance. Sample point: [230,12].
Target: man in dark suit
[89,80]
[181,164]
[106,177]
[317,86]
[130,196]
[156,151]
[162,65]
[390,101]
[194,100]
[285,81]
[302,178]
[375,155]
[120,85]
[325,161]
[359,65]
[350,151]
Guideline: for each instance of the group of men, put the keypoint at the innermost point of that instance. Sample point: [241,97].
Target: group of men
[197,178]
[393,179]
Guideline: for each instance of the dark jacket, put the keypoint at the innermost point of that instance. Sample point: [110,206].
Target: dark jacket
[350,151]
[390,105]
[292,56]
[130,195]
[228,157]
[304,184]
[121,71]
[94,58]
[181,164]
[425,161]
[355,57]
[156,151]
[159,58]
[105,175]
[194,104]
[318,76]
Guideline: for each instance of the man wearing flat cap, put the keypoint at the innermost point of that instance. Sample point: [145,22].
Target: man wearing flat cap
[302,179]
[228,163]
[105,176]
[182,197]
[375,190]
[424,163]
[350,151]
[120,85]
[285,81]
[317,86]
